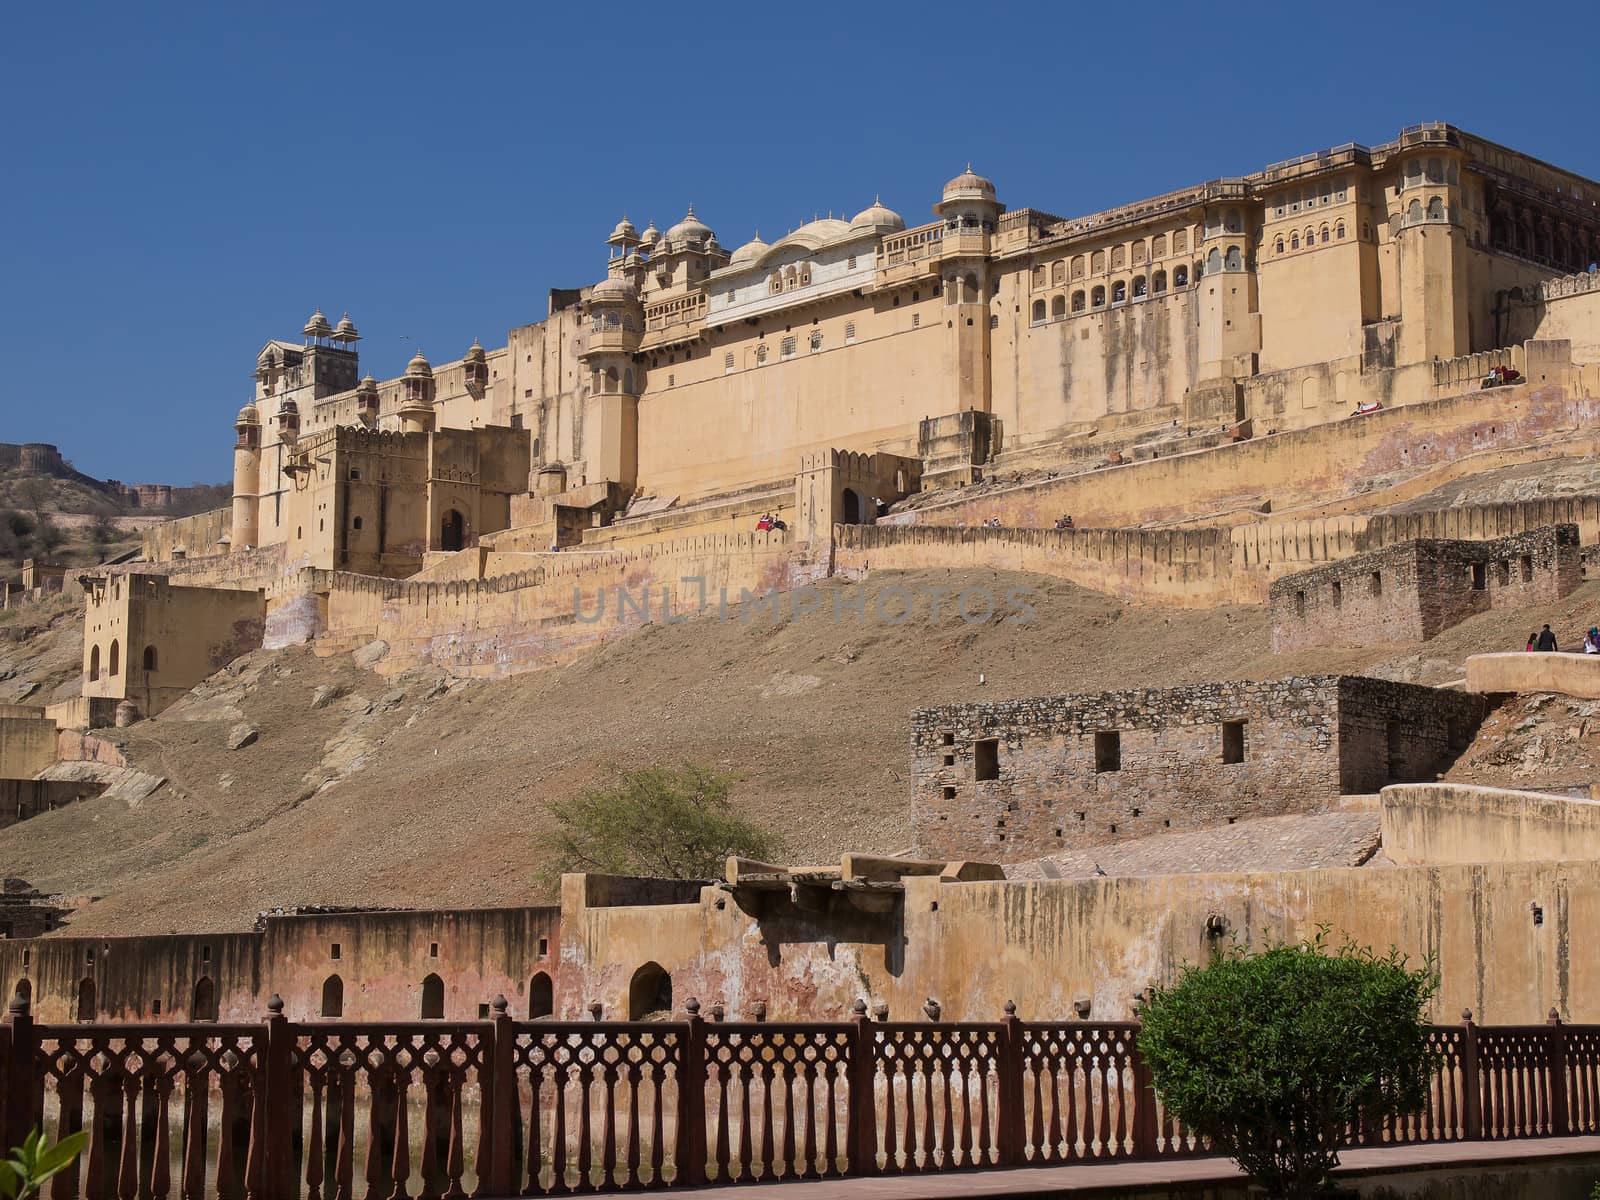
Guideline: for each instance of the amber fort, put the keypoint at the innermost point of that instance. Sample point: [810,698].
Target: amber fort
[1274,393]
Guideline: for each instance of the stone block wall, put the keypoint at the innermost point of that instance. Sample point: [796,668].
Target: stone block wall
[1416,590]
[1023,778]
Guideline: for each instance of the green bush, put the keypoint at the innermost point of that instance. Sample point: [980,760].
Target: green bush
[668,822]
[1273,1056]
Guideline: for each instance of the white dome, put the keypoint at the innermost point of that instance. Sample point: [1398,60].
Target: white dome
[969,185]
[877,216]
[749,252]
[824,230]
[690,229]
[615,289]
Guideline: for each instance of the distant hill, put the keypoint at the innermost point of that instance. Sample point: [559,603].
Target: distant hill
[50,510]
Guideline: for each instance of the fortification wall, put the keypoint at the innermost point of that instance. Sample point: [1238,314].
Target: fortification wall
[27,746]
[1188,567]
[1021,778]
[1415,590]
[381,960]
[199,536]
[1437,823]
[1564,674]
[549,612]
[1306,466]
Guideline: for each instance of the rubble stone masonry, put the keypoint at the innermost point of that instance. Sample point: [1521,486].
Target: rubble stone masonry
[1023,778]
[1415,590]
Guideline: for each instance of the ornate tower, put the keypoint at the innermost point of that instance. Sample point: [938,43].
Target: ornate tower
[1429,233]
[246,530]
[616,323]
[970,211]
[416,398]
[367,402]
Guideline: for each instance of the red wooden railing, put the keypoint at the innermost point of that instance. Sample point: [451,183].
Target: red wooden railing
[445,1109]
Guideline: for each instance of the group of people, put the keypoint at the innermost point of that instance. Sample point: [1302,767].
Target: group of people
[1065,522]
[1544,640]
[768,522]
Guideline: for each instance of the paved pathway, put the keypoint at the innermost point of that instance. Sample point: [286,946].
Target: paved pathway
[1087,1179]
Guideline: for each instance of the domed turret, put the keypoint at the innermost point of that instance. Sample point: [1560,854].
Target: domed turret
[417,392]
[969,185]
[690,229]
[614,289]
[247,416]
[475,352]
[877,218]
[649,237]
[316,328]
[367,401]
[476,365]
[749,252]
[345,333]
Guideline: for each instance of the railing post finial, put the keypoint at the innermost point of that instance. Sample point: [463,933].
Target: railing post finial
[595,1009]
[20,1005]
[500,1005]
[275,1005]
[692,1006]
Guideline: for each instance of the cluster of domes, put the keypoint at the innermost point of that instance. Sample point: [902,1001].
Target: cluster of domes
[343,335]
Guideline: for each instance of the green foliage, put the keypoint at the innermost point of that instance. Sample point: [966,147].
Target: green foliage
[1272,1056]
[668,822]
[31,1163]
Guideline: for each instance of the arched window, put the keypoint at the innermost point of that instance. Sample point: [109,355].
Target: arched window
[1338,231]
[24,989]
[114,659]
[150,651]
[204,1007]
[1294,241]
[1158,282]
[1058,306]
[333,996]
[1235,260]
[761,354]
[1119,291]
[1078,300]
[1180,277]
[94,663]
[1077,266]
[1097,298]
[850,506]
[541,997]
[1139,286]
[1038,312]
[1414,211]
[1436,209]
[969,289]
[433,998]
[816,342]
[1058,271]
[1097,261]
[1277,246]
[1118,256]
[1214,261]
[650,991]
[1325,236]
[1158,246]
[86,1004]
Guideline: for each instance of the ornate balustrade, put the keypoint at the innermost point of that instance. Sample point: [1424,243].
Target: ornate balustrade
[441,1109]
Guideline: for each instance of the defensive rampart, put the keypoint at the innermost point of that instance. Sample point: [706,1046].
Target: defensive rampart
[1299,467]
[1189,567]
[1565,674]
[551,610]
[199,536]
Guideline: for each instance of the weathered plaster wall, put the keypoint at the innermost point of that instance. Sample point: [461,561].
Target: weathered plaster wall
[1566,674]
[1440,823]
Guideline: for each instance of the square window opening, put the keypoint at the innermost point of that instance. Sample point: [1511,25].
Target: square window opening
[986,759]
[1526,564]
[1233,741]
[1375,584]
[1480,576]
[1107,751]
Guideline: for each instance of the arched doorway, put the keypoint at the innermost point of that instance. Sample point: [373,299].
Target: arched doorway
[333,996]
[86,1009]
[452,531]
[94,663]
[650,992]
[24,990]
[204,1007]
[433,998]
[114,662]
[850,507]
[541,997]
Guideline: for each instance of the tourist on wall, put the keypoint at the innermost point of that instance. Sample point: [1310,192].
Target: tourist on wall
[1547,640]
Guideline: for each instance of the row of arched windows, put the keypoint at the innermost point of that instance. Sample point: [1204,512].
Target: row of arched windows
[541,998]
[1121,291]
[1117,257]
[1312,238]
[114,660]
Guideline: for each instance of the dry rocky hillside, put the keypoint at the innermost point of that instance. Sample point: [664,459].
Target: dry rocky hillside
[350,788]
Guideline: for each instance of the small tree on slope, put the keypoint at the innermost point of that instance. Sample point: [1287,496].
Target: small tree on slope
[1274,1056]
[669,822]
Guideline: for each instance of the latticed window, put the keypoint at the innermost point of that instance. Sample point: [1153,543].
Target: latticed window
[786,348]
[816,342]
[727,364]
[850,331]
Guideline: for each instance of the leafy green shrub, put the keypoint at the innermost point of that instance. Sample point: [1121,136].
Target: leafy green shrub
[31,1163]
[669,822]
[1273,1056]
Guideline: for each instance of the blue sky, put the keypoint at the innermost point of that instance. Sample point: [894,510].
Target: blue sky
[183,182]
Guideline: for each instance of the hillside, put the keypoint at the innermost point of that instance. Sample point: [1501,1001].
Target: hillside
[424,791]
